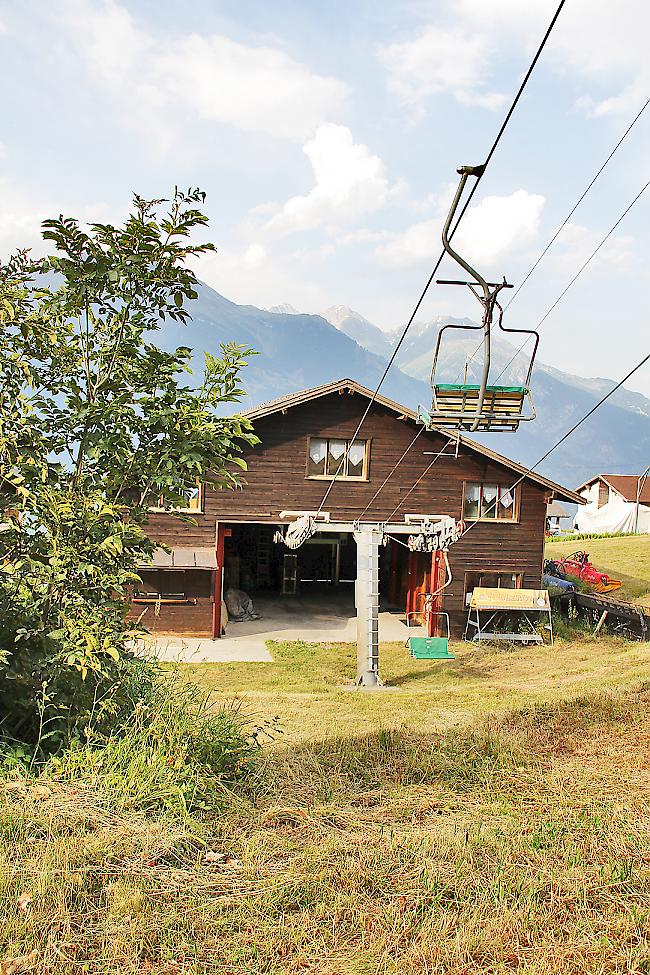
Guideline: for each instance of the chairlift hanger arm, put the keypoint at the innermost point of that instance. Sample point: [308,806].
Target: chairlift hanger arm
[520,331]
[465,172]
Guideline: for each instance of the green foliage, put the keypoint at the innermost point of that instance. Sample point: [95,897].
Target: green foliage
[96,425]
[171,750]
[571,537]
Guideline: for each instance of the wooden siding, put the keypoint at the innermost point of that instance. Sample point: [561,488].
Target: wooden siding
[276,480]
[193,618]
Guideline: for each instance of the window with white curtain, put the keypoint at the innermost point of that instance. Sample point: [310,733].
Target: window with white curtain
[335,457]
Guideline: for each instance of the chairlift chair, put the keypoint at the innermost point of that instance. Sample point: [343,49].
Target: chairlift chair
[430,647]
[480,406]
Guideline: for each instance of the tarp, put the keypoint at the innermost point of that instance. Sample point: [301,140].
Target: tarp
[612,518]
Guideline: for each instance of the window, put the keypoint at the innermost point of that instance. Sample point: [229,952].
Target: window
[489,502]
[327,458]
[166,586]
[492,580]
[603,494]
[194,500]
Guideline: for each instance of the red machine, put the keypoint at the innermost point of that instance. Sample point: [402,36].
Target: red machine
[577,564]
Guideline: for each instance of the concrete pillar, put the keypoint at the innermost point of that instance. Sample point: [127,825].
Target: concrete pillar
[367,602]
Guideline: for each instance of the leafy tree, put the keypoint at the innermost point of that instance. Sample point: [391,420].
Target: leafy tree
[96,425]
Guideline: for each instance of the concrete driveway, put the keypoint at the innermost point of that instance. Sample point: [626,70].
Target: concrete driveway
[318,619]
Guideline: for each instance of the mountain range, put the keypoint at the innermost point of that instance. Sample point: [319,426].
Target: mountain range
[295,351]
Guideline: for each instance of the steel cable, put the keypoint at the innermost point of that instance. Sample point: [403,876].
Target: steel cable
[400,342]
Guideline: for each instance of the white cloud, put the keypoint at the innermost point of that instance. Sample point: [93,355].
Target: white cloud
[263,277]
[349,183]
[602,44]
[441,60]
[576,243]
[489,233]
[21,215]
[499,225]
[168,79]
[257,89]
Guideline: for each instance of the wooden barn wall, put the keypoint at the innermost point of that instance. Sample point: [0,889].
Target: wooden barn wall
[192,618]
[276,481]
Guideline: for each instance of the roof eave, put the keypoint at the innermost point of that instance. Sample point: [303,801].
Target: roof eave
[282,404]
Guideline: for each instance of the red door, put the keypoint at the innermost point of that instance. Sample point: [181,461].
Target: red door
[426,577]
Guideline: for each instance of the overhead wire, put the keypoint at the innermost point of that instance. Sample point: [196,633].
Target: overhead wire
[575,277]
[573,209]
[568,286]
[577,204]
[391,472]
[562,439]
[542,320]
[423,294]
[440,453]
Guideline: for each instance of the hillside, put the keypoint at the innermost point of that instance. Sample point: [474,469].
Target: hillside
[626,558]
[489,816]
[296,351]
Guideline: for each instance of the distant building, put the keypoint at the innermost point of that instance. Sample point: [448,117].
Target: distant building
[615,503]
[558,518]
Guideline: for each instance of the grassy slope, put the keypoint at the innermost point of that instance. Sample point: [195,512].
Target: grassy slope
[398,832]
[303,687]
[626,558]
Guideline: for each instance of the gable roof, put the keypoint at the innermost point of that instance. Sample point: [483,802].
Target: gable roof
[557,510]
[624,484]
[284,403]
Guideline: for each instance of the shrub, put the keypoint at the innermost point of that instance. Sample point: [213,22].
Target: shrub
[97,424]
[174,750]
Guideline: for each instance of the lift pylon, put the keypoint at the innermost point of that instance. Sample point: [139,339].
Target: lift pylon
[438,533]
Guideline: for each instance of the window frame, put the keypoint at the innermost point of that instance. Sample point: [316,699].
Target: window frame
[366,441]
[200,510]
[492,520]
[479,572]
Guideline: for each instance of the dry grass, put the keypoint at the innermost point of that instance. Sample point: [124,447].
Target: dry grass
[303,686]
[408,842]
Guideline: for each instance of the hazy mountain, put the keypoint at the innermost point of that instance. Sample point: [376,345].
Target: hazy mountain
[359,328]
[296,351]
[283,310]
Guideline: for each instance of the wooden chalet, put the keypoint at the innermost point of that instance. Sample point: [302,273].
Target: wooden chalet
[228,540]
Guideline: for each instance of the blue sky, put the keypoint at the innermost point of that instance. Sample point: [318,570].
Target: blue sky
[327,137]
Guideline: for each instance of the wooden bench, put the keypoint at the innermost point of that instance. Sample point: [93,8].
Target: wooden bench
[455,406]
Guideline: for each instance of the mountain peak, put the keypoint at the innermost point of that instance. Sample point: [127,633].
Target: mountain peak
[337,314]
[284,309]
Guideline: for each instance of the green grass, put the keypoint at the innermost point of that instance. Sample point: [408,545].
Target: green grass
[488,816]
[626,557]
[303,687]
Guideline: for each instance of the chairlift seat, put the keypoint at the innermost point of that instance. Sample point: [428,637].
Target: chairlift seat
[455,406]
[430,648]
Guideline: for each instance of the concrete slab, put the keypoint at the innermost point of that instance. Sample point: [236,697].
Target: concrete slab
[195,650]
[318,619]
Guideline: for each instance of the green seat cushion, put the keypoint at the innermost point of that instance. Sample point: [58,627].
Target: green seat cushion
[430,648]
[465,388]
